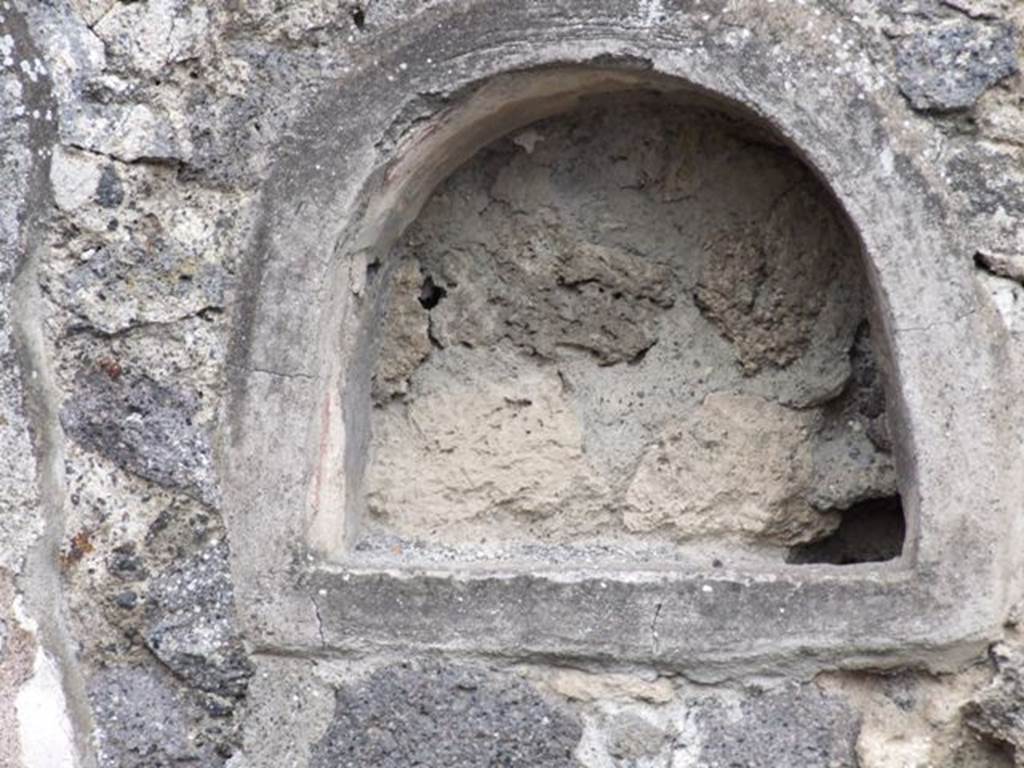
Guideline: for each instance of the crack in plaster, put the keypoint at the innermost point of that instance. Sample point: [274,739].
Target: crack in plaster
[655,642]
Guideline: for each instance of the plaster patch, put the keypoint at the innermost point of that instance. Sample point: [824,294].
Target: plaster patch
[44,729]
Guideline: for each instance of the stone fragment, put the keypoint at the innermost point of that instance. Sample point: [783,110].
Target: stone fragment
[150,36]
[991,178]
[796,726]
[127,132]
[126,565]
[75,177]
[999,116]
[739,466]
[435,714]
[141,721]
[997,713]
[564,293]
[772,289]
[144,427]
[584,686]
[125,284]
[190,625]
[126,600]
[109,190]
[631,738]
[948,68]
[1008,298]
[504,449]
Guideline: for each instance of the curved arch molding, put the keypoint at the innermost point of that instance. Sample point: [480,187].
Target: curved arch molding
[370,151]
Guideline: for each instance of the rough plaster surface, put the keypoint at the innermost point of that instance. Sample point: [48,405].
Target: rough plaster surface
[155,154]
[629,321]
[44,730]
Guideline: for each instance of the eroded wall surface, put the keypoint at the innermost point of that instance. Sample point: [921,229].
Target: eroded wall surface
[138,141]
[629,326]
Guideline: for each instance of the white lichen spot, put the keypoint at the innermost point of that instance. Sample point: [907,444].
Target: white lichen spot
[7,49]
[28,69]
[888,161]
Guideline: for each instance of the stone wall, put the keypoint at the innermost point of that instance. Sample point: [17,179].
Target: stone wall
[597,384]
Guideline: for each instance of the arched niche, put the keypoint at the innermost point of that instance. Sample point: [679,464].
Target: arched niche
[295,444]
[636,330]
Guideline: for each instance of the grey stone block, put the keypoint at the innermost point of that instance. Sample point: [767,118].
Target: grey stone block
[142,720]
[190,624]
[998,712]
[798,726]
[433,714]
[948,68]
[143,427]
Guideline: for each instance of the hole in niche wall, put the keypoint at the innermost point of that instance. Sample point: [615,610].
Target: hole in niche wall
[870,531]
[636,330]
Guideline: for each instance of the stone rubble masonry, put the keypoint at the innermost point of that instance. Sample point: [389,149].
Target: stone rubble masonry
[215,215]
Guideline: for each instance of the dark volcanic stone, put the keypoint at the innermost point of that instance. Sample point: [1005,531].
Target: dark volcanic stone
[109,191]
[190,624]
[438,715]
[990,180]
[797,726]
[143,427]
[126,600]
[948,68]
[141,721]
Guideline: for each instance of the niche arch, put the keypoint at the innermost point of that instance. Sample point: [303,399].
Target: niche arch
[360,173]
[502,106]
[627,331]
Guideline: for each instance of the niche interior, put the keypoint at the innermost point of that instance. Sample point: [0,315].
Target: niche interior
[639,328]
